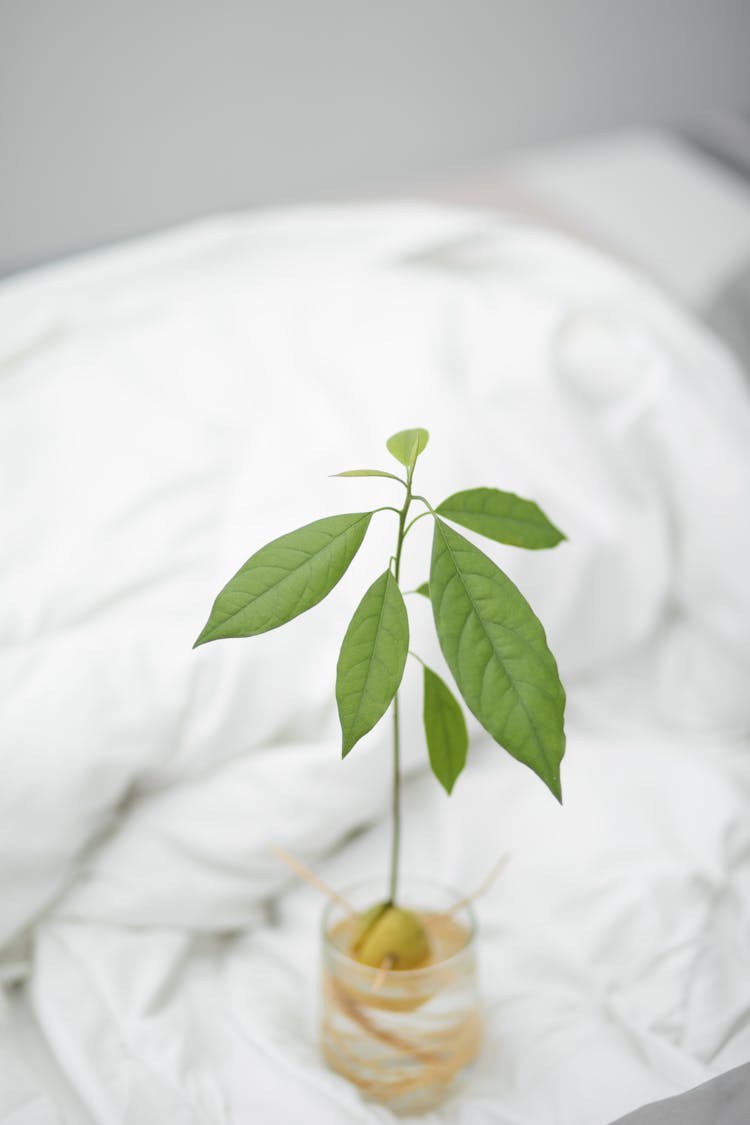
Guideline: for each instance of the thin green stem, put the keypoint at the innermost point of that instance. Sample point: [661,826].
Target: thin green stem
[396,804]
[416,519]
[426,502]
[396,807]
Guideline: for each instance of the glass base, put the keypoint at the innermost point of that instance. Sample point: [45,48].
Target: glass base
[406,1037]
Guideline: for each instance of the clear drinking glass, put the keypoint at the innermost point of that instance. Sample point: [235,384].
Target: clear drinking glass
[404,1037]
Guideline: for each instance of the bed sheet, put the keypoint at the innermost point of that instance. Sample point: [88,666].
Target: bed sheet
[167,407]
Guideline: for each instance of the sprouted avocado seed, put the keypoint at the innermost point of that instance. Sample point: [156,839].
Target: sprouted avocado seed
[389,935]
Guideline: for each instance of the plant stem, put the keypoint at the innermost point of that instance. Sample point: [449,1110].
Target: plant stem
[396,813]
[396,805]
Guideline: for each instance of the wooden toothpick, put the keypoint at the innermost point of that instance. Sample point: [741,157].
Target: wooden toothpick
[484,886]
[314,880]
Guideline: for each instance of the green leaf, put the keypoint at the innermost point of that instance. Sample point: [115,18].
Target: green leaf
[368,473]
[286,577]
[424,589]
[372,658]
[496,648]
[406,446]
[445,727]
[502,516]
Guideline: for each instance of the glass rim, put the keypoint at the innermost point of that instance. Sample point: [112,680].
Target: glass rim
[399,974]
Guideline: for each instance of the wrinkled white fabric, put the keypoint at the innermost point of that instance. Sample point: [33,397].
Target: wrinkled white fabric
[22,1101]
[167,408]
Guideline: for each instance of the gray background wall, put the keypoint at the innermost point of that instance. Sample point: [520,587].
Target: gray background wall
[117,118]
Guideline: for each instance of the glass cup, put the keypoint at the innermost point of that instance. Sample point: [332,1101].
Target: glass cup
[404,1037]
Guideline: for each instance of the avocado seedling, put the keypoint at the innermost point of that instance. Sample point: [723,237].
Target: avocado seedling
[492,641]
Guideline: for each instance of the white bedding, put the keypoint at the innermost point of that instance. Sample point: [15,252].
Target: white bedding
[167,408]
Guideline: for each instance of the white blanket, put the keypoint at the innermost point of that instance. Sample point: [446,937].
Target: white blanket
[167,408]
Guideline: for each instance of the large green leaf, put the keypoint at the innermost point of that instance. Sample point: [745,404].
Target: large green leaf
[497,651]
[502,516]
[372,658]
[406,445]
[445,728]
[286,577]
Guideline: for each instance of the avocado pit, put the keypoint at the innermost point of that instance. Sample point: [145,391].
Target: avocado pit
[387,935]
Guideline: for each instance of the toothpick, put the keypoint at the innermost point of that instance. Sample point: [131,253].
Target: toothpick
[484,886]
[309,876]
[385,968]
